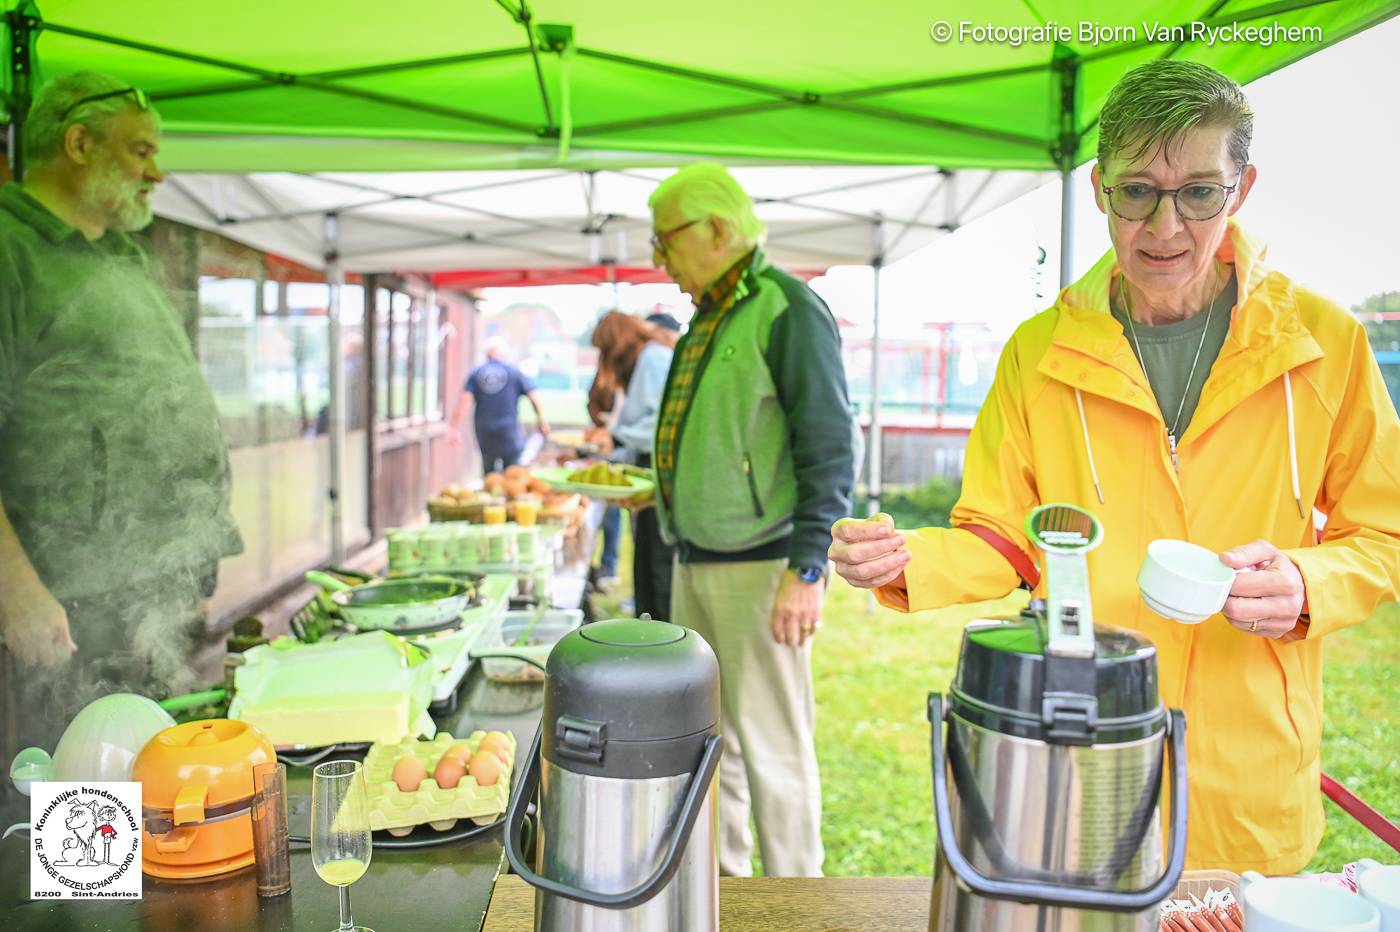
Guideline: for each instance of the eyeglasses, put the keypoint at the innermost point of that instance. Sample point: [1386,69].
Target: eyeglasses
[143,102]
[1200,200]
[659,241]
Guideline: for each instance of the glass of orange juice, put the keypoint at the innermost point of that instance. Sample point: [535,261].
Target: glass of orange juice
[527,510]
[340,834]
[494,511]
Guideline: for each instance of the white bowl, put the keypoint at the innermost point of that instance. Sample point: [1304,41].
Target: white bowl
[1184,582]
[1297,904]
[1380,884]
[102,741]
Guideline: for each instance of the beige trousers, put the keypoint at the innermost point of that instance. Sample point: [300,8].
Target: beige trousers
[769,762]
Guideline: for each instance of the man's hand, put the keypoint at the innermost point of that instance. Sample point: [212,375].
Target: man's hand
[868,553]
[454,435]
[541,425]
[797,611]
[35,627]
[1268,596]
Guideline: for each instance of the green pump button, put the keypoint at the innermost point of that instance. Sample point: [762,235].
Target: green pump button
[632,632]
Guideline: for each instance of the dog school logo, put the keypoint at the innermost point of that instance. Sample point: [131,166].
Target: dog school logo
[85,841]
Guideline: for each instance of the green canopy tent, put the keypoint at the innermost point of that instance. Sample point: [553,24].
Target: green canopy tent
[353,85]
[282,85]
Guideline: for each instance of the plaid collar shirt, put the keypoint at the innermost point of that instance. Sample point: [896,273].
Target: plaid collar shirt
[689,360]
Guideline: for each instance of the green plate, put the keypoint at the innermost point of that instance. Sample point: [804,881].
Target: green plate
[557,477]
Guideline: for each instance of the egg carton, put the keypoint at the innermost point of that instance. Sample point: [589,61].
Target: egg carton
[398,813]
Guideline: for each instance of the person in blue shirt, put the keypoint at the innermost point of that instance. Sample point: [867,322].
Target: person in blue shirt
[494,389]
[602,399]
[635,356]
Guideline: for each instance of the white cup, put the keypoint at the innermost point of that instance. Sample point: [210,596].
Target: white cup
[1296,904]
[1380,883]
[1184,582]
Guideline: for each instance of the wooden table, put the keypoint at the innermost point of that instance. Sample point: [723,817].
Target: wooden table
[769,904]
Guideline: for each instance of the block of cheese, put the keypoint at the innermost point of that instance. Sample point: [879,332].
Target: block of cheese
[347,718]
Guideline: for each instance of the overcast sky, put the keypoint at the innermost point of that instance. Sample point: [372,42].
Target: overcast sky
[1327,140]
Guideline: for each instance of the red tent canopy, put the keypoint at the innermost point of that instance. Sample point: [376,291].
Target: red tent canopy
[469,279]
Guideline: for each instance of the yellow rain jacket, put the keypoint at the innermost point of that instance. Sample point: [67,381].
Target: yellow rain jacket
[1294,416]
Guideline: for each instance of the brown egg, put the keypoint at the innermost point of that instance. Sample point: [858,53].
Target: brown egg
[487,768]
[460,752]
[497,743]
[516,487]
[494,483]
[449,772]
[408,773]
[517,473]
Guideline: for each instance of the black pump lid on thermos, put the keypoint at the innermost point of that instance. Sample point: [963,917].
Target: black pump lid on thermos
[630,699]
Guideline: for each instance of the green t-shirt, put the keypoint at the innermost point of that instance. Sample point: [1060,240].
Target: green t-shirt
[113,467]
[1167,352]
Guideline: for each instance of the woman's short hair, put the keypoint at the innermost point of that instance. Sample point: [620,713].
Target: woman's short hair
[706,189]
[55,109]
[1153,104]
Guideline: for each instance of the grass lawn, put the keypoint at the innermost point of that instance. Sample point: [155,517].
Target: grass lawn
[874,668]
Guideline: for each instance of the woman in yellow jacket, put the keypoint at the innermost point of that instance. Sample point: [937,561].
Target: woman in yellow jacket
[1183,389]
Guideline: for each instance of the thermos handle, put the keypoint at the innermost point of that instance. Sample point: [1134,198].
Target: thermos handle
[1053,894]
[670,862]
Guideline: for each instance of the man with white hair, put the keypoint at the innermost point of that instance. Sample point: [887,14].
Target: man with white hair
[114,480]
[754,453]
[494,389]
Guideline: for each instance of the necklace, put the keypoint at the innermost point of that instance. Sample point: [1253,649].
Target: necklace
[1142,361]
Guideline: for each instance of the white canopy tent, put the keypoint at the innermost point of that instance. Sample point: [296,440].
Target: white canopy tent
[560,224]
[441,222]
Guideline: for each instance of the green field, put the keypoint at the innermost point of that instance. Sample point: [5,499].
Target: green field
[874,667]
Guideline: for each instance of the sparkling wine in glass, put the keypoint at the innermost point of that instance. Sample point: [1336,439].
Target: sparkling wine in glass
[340,837]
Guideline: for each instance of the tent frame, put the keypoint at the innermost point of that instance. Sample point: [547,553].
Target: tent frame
[25,23]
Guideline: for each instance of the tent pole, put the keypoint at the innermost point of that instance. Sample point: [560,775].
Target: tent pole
[23,25]
[1066,226]
[877,262]
[335,277]
[1065,152]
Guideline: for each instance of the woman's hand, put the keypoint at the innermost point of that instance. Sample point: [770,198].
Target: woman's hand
[1268,596]
[600,438]
[868,553]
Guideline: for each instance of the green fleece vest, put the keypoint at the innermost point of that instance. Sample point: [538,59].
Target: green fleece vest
[734,487]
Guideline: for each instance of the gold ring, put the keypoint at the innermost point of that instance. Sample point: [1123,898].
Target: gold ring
[1253,626]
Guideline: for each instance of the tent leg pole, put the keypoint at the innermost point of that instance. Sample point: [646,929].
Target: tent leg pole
[873,478]
[1066,226]
[335,277]
[1065,152]
[23,25]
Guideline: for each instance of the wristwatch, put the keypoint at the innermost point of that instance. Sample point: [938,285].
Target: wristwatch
[810,574]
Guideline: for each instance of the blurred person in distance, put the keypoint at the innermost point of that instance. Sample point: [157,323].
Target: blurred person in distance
[602,403]
[492,392]
[637,355]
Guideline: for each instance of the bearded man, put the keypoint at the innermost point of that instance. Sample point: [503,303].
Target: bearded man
[114,478]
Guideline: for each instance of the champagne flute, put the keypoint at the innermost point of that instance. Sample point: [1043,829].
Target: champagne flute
[340,838]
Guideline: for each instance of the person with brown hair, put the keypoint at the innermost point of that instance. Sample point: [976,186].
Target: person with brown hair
[636,356]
